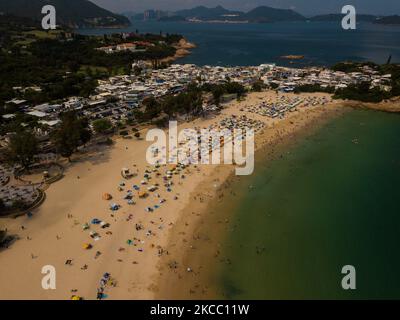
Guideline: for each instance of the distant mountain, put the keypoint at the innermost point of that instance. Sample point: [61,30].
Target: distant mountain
[268,14]
[393,20]
[339,17]
[204,13]
[219,13]
[71,13]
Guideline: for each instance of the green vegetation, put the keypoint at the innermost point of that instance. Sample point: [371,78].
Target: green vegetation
[2,232]
[73,132]
[362,92]
[258,86]
[102,126]
[218,90]
[22,148]
[349,67]
[64,64]
[80,13]
[189,102]
[2,210]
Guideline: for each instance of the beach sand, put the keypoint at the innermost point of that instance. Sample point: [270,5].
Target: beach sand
[55,235]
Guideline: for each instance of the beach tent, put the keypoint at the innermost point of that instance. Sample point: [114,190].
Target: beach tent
[114,207]
[104,224]
[128,196]
[107,196]
[96,221]
[142,194]
[152,188]
[125,172]
[87,246]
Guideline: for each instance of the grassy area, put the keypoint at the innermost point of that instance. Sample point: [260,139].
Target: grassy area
[41,34]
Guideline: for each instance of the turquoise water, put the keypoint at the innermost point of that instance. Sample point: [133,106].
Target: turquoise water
[322,43]
[329,202]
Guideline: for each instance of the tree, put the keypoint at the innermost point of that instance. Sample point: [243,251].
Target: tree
[217,93]
[258,86]
[102,125]
[2,210]
[72,133]
[22,148]
[152,108]
[2,235]
[234,87]
[137,71]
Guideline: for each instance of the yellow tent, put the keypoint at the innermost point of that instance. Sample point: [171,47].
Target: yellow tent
[142,194]
[87,246]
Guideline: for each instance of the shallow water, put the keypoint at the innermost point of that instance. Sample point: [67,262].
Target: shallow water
[331,201]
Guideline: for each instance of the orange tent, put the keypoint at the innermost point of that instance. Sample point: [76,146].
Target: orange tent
[107,196]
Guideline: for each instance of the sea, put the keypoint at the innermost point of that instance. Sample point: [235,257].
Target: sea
[321,43]
[330,200]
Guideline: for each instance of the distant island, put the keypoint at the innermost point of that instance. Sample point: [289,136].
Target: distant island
[388,20]
[262,14]
[72,13]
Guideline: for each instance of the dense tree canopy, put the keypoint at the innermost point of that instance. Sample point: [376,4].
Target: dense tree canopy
[22,148]
[102,125]
[73,132]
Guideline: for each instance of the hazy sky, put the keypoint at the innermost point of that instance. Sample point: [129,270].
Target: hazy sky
[302,6]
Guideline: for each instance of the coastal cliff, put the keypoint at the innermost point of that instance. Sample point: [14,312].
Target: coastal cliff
[183,48]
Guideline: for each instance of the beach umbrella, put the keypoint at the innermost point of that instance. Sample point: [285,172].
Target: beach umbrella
[87,246]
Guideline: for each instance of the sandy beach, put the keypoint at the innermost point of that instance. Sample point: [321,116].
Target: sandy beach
[136,258]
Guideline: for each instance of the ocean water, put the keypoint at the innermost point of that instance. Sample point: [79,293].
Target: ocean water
[322,43]
[330,201]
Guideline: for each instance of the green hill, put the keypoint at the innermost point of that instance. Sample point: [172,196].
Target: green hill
[268,14]
[389,20]
[204,13]
[259,14]
[71,13]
